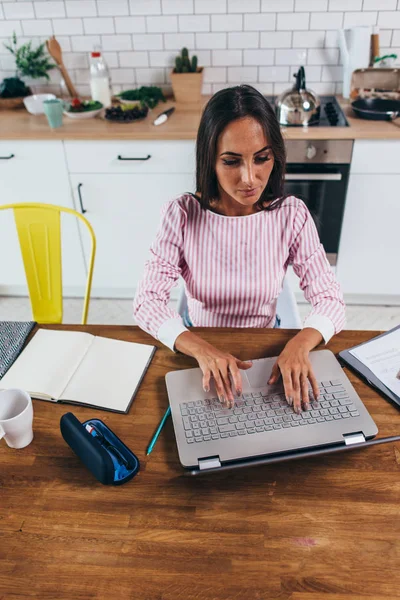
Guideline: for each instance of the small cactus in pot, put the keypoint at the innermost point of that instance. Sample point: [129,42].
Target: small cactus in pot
[187,78]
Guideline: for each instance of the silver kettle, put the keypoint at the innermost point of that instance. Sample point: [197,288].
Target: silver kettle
[298,106]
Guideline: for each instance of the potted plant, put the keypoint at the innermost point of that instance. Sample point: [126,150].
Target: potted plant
[29,62]
[187,79]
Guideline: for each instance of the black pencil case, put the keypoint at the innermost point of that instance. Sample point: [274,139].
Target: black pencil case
[100,450]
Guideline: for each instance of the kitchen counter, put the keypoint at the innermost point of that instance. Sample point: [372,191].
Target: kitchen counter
[182,125]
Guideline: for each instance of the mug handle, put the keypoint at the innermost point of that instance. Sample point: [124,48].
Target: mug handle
[2,432]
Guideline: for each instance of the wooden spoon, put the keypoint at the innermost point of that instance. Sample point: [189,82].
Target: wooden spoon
[54,49]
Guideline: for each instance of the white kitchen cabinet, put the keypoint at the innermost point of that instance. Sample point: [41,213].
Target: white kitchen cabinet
[36,172]
[124,211]
[369,253]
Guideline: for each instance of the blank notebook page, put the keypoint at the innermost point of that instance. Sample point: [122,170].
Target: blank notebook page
[109,374]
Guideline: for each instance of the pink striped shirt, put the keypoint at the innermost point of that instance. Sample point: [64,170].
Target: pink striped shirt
[233,269]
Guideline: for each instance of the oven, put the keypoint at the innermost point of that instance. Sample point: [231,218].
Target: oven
[317,171]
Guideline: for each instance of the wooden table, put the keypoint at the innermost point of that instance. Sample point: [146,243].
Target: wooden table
[325,527]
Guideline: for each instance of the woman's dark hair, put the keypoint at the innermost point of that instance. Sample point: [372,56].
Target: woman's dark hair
[226,106]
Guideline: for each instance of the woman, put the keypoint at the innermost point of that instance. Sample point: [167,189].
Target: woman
[232,242]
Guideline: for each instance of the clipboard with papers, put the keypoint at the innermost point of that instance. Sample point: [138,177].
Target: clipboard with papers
[377,361]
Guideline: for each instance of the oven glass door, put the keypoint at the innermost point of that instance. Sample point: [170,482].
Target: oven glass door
[323,189]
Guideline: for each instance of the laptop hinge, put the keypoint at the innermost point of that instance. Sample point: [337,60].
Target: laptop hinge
[353,438]
[212,462]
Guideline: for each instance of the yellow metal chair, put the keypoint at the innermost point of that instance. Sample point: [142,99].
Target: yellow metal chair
[39,233]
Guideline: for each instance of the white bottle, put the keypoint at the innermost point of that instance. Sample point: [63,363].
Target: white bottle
[100,83]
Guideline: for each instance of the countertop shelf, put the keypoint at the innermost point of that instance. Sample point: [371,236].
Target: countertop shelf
[183,125]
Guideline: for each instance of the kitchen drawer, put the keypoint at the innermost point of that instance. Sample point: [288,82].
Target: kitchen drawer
[176,156]
[376,156]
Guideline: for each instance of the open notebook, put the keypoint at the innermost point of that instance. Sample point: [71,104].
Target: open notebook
[80,368]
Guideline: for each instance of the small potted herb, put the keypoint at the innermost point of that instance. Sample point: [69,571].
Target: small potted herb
[29,62]
[187,79]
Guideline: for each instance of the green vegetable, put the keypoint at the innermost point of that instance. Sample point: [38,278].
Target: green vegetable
[147,95]
[13,87]
[30,62]
[85,106]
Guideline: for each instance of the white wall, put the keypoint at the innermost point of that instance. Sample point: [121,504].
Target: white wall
[262,46]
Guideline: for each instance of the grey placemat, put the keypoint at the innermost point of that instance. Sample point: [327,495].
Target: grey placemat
[13,335]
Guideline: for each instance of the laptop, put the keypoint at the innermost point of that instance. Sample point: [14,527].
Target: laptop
[261,427]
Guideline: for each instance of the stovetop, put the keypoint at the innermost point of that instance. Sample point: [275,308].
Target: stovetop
[331,115]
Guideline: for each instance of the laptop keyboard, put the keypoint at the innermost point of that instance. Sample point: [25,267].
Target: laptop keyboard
[205,420]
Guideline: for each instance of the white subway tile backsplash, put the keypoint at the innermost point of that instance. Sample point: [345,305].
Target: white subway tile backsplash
[150,76]
[258,57]
[148,41]
[277,5]
[84,43]
[99,25]
[236,6]
[331,20]
[292,21]
[273,74]
[323,56]
[308,39]
[243,40]
[130,24]
[210,6]
[261,42]
[227,22]
[48,10]
[177,7]
[354,19]
[311,5]
[83,8]
[162,24]
[205,41]
[37,27]
[20,10]
[177,41]
[133,59]
[112,9]
[226,58]
[297,56]
[242,74]
[276,39]
[389,19]
[162,59]
[117,42]
[144,7]
[215,75]
[68,26]
[260,22]
[194,23]
[380,5]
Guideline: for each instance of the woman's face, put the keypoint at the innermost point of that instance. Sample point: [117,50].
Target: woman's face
[243,165]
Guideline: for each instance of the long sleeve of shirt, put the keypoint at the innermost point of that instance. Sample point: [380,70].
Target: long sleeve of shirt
[233,269]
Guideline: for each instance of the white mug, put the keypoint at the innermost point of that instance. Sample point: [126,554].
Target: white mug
[16,418]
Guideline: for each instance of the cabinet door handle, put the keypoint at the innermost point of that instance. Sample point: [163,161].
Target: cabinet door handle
[7,157]
[83,210]
[129,158]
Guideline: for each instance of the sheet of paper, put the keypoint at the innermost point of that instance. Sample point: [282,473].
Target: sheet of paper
[382,357]
[48,362]
[109,374]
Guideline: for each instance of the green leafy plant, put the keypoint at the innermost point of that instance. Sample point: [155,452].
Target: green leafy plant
[147,95]
[183,64]
[13,87]
[30,62]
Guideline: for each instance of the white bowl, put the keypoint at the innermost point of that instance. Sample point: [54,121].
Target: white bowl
[83,115]
[34,104]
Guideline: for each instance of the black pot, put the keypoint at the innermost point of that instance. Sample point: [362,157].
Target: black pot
[376,109]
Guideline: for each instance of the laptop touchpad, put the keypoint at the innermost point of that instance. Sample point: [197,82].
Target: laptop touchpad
[260,372]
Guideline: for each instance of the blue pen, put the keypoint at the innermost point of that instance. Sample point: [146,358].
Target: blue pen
[157,433]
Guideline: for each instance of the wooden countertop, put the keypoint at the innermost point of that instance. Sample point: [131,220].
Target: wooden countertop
[182,125]
[328,523]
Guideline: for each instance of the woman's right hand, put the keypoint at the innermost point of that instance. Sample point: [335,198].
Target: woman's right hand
[221,366]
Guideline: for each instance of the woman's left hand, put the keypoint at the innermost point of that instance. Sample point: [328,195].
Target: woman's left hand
[294,365]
